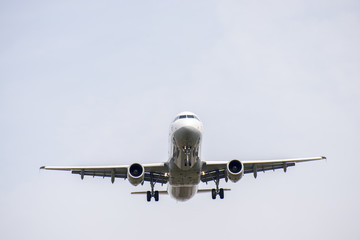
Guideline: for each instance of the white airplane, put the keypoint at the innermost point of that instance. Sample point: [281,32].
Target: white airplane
[184,170]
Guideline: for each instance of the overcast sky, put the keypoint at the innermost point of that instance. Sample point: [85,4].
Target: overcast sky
[98,82]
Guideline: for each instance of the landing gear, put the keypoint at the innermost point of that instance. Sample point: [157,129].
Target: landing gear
[213,193]
[187,151]
[152,193]
[217,191]
[148,196]
[156,196]
[221,193]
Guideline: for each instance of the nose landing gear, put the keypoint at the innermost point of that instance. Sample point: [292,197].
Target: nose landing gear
[187,151]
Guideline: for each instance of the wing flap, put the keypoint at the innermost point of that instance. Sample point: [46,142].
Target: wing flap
[295,160]
[102,173]
[250,168]
[95,168]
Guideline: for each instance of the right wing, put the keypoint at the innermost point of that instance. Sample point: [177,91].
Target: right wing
[157,172]
[266,165]
[213,170]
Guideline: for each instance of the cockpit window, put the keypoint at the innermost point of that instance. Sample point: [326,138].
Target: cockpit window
[193,116]
[185,116]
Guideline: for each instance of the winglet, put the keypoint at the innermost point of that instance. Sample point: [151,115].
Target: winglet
[42,167]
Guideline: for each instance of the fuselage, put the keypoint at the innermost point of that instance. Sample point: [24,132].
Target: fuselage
[184,156]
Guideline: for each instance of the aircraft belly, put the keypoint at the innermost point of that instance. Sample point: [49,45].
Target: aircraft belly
[182,193]
[184,179]
[183,183]
[190,176]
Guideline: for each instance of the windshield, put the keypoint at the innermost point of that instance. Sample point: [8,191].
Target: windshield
[186,116]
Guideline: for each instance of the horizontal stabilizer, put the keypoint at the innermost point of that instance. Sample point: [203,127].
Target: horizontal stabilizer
[209,190]
[145,192]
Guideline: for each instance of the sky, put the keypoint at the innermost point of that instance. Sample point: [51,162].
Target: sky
[98,83]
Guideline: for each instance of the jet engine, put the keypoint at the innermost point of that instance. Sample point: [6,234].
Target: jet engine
[235,170]
[136,174]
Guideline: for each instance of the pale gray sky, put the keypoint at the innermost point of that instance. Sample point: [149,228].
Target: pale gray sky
[89,82]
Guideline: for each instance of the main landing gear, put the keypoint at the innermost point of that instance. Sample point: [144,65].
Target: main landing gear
[152,193]
[217,191]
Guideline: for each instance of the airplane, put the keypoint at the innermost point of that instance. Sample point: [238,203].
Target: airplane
[184,169]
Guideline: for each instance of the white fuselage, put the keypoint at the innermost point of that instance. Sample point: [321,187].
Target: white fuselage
[184,157]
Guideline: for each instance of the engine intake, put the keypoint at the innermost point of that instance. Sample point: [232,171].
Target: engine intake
[136,174]
[235,170]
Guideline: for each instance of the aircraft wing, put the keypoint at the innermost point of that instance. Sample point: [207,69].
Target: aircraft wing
[158,171]
[212,170]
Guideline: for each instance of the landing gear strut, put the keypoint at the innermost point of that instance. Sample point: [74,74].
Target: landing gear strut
[152,193]
[187,151]
[217,191]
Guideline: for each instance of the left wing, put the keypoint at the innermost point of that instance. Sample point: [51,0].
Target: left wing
[157,172]
[213,170]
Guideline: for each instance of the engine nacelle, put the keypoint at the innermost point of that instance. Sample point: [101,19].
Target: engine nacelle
[235,170]
[136,174]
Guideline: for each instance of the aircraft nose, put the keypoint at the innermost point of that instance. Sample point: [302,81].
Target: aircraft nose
[187,135]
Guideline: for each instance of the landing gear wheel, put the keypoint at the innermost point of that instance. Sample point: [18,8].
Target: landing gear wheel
[156,196]
[213,193]
[148,196]
[221,193]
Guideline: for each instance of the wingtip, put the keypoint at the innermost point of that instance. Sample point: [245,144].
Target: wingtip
[323,157]
[42,167]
